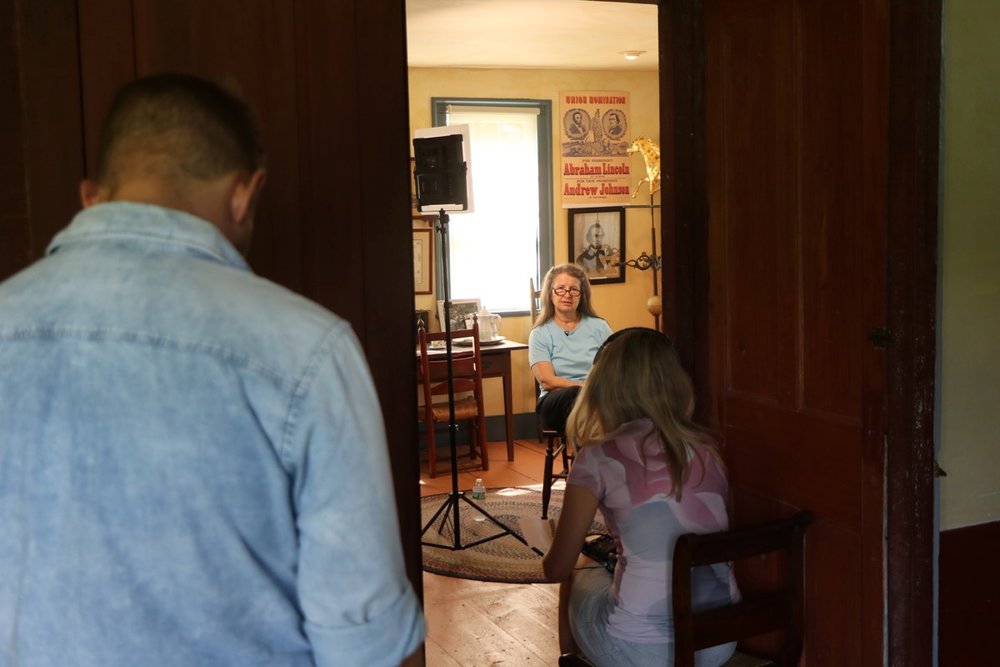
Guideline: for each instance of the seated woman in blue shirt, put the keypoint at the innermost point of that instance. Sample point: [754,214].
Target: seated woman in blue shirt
[563,342]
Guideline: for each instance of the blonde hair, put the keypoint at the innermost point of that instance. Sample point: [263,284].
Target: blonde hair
[548,310]
[637,373]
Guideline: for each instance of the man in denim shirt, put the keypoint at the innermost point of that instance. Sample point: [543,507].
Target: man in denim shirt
[192,459]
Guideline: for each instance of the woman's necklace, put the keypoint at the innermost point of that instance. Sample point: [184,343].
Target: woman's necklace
[568,326]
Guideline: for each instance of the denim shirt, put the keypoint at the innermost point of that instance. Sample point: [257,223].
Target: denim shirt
[193,466]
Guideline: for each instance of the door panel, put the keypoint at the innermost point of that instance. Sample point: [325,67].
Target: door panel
[788,102]
[333,222]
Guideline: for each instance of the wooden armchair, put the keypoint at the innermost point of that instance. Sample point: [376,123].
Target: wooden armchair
[535,305]
[467,380]
[777,608]
[555,446]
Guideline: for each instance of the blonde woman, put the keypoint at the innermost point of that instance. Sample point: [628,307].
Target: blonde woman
[655,475]
[563,342]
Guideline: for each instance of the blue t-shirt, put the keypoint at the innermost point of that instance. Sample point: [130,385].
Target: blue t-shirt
[571,354]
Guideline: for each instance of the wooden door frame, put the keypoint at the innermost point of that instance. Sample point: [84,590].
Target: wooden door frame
[913,81]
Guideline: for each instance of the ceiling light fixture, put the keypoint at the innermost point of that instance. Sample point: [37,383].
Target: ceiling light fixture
[632,55]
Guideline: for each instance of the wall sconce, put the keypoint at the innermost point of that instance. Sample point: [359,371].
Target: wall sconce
[632,55]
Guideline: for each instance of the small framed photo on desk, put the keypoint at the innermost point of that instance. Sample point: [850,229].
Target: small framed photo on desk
[460,309]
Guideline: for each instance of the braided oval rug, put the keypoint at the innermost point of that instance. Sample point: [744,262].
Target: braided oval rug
[504,559]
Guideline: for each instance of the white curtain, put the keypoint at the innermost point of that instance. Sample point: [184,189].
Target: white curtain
[494,250]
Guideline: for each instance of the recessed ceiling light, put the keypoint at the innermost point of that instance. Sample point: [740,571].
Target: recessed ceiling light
[632,55]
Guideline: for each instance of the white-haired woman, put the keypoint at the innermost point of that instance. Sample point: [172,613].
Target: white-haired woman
[563,342]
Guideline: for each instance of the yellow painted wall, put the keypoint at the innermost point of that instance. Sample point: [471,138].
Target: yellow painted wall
[969,349]
[621,304]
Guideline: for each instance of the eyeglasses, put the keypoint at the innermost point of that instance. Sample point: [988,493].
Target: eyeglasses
[563,291]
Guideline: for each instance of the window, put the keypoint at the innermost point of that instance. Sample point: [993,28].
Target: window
[507,239]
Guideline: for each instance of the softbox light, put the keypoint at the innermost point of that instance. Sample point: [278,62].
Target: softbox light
[440,172]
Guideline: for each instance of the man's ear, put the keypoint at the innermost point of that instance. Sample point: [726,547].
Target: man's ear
[243,199]
[91,193]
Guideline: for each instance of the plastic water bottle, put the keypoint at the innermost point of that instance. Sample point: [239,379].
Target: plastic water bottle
[478,490]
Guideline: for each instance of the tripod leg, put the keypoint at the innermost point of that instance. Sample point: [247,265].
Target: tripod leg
[444,517]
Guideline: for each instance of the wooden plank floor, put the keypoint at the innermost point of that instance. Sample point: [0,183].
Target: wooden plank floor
[480,624]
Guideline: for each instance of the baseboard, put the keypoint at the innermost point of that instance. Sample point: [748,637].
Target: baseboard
[969,595]
[525,427]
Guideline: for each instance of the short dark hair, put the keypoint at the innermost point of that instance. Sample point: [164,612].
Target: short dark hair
[177,124]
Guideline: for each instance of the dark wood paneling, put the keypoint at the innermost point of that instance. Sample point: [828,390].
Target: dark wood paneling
[756,181]
[831,186]
[785,104]
[333,222]
[44,169]
[383,133]
[108,59]
[14,229]
[328,100]
[969,595]
[913,131]
[899,68]
[820,472]
[13,198]
[252,46]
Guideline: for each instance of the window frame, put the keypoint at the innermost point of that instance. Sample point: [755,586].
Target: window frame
[545,252]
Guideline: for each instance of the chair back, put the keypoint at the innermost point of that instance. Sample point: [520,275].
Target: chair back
[466,365]
[535,304]
[465,405]
[759,612]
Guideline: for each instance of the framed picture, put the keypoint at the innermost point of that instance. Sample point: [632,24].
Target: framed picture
[460,309]
[597,241]
[423,261]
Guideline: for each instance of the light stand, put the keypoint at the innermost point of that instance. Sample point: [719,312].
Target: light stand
[441,185]
[450,507]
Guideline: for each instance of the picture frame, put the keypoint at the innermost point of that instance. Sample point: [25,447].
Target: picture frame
[423,260]
[597,242]
[460,309]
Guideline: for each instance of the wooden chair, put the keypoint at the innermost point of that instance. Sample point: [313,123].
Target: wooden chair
[778,608]
[467,379]
[535,304]
[555,445]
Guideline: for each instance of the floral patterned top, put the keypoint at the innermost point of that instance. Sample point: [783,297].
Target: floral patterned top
[627,472]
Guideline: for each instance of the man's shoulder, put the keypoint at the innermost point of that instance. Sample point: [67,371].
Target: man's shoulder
[274,317]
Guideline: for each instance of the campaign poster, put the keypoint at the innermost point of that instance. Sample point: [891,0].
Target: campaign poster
[594,140]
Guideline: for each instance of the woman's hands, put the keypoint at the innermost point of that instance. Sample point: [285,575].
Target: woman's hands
[547,379]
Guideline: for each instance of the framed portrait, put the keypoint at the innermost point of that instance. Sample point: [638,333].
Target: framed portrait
[460,309]
[597,241]
[423,261]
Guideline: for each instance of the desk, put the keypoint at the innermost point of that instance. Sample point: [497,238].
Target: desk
[496,364]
